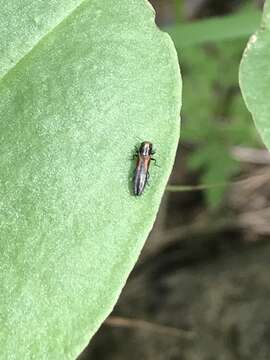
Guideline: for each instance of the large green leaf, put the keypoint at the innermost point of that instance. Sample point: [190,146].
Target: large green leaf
[255,76]
[82,82]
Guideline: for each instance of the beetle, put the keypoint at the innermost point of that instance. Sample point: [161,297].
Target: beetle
[141,175]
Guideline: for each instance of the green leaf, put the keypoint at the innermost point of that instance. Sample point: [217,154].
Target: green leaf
[218,29]
[255,76]
[82,83]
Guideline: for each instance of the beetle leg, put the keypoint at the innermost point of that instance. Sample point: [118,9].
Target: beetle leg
[147,178]
[155,161]
[135,154]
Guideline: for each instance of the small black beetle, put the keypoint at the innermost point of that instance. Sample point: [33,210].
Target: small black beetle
[144,158]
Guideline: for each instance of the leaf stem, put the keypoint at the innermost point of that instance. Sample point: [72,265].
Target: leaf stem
[178,10]
[249,180]
[184,188]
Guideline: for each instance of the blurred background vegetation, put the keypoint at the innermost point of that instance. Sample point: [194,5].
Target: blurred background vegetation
[201,288]
[215,118]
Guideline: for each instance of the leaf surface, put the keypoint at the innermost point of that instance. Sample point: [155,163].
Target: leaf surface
[255,76]
[81,83]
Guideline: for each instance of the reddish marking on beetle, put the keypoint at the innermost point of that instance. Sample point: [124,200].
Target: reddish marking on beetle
[144,157]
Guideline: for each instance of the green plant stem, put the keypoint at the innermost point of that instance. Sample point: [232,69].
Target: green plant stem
[178,10]
[240,25]
[184,188]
